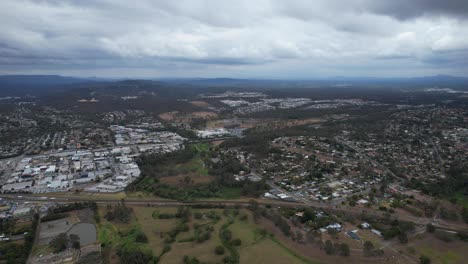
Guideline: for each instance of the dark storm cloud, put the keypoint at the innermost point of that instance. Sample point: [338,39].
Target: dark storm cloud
[408,9]
[231,38]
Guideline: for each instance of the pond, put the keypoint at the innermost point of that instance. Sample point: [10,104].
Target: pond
[86,232]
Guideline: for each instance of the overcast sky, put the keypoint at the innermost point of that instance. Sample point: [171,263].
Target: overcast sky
[284,39]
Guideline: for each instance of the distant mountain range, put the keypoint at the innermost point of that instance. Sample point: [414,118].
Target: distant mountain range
[18,85]
[436,80]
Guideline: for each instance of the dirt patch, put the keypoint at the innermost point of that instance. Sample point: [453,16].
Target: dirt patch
[203,114]
[217,142]
[237,122]
[181,117]
[168,116]
[200,103]
[301,122]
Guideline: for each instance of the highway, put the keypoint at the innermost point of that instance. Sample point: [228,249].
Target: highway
[231,203]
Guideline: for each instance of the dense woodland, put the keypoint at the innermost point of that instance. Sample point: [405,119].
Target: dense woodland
[155,166]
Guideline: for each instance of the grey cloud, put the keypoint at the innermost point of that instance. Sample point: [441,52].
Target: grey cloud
[229,37]
[408,9]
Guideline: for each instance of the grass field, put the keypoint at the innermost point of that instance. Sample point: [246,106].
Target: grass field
[185,243]
[446,257]
[438,251]
[201,147]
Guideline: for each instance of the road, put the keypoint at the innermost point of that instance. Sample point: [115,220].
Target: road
[230,203]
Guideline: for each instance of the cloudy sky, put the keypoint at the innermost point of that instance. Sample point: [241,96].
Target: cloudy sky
[242,38]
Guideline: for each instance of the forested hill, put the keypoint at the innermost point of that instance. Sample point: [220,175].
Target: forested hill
[21,85]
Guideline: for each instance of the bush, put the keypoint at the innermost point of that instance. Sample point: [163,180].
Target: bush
[219,250]
[188,260]
[329,247]
[140,237]
[134,257]
[236,242]
[464,214]
[403,238]
[167,248]
[444,236]
[75,241]
[166,216]
[424,260]
[59,243]
[120,213]
[448,214]
[430,228]
[344,249]
[382,208]
[226,235]
[368,246]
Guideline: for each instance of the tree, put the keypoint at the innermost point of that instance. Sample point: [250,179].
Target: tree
[188,260]
[464,214]
[226,235]
[75,241]
[134,257]
[311,236]
[344,249]
[430,228]
[140,237]
[219,250]
[59,243]
[403,238]
[166,248]
[237,242]
[120,213]
[329,247]
[368,248]
[424,260]
[299,236]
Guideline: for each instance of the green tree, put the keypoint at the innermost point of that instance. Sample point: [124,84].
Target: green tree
[219,250]
[75,241]
[424,260]
[368,248]
[403,238]
[59,243]
[430,228]
[236,242]
[344,249]
[329,247]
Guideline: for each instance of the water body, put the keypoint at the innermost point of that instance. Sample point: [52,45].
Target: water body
[86,232]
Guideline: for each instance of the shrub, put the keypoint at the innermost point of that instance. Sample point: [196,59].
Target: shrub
[403,238]
[134,257]
[75,241]
[424,260]
[444,236]
[140,237]
[236,242]
[59,243]
[430,228]
[226,235]
[167,248]
[344,249]
[329,247]
[219,250]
